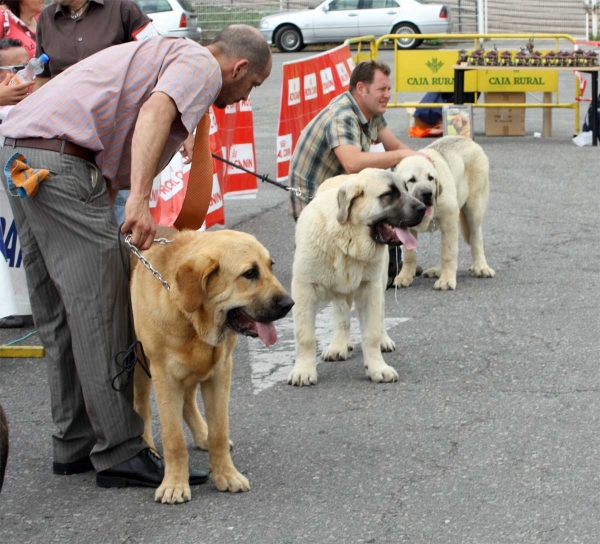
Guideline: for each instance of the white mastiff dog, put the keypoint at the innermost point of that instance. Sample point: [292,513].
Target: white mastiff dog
[342,256]
[454,186]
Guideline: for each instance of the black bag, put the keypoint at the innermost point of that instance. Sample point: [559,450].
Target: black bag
[587,124]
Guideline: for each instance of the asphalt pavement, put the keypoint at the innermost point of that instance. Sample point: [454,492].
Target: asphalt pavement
[491,436]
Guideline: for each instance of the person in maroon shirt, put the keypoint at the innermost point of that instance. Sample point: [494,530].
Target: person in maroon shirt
[71,30]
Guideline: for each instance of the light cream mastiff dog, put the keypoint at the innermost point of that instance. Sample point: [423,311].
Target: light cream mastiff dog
[342,255]
[455,189]
[221,285]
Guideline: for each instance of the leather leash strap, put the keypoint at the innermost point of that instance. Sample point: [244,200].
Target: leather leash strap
[200,181]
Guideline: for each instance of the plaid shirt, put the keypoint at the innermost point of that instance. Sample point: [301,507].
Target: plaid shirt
[313,161]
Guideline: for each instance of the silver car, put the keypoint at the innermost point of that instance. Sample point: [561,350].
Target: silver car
[338,20]
[172,18]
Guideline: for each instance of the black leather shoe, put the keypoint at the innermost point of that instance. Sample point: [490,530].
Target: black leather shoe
[145,469]
[76,467]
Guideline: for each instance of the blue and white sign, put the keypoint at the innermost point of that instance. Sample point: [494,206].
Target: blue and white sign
[14,298]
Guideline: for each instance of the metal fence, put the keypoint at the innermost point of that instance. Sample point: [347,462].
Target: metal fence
[501,16]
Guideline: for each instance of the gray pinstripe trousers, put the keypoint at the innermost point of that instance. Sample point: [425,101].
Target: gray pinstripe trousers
[78,294]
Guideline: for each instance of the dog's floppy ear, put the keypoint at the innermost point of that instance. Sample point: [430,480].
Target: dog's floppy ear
[347,194]
[192,279]
[438,189]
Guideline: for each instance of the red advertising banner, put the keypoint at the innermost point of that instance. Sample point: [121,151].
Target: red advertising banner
[307,87]
[236,129]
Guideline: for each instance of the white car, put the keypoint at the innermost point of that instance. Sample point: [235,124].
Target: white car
[338,20]
[172,18]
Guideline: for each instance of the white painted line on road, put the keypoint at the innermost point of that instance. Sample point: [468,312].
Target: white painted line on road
[272,365]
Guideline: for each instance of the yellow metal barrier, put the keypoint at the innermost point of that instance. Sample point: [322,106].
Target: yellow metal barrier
[431,71]
[360,55]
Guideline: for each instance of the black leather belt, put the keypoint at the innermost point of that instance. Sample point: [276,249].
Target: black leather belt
[61,146]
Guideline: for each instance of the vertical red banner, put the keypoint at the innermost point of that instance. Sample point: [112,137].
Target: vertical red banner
[236,128]
[307,87]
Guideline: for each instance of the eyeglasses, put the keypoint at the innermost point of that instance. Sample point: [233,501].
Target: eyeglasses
[13,69]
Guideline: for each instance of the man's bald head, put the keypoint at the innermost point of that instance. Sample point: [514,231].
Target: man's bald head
[243,42]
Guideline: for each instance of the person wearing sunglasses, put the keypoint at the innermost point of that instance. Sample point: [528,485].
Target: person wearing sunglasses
[13,57]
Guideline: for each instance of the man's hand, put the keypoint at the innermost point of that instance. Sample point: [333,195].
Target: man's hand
[139,222]
[187,149]
[13,94]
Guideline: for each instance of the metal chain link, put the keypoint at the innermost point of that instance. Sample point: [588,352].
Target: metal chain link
[146,262]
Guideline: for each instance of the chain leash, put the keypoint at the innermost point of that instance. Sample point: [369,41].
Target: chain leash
[146,262]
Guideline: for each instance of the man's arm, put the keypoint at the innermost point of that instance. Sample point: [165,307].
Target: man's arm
[354,160]
[149,138]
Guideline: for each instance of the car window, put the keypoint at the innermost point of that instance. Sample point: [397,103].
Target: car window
[377,4]
[187,5]
[153,6]
[340,5]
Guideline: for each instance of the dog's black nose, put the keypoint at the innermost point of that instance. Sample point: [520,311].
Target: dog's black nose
[420,210]
[285,304]
[427,198]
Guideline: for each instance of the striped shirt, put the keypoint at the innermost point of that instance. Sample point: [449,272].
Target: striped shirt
[313,160]
[96,102]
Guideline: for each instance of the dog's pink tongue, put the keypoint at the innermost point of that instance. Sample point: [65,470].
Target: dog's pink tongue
[407,239]
[428,211]
[267,333]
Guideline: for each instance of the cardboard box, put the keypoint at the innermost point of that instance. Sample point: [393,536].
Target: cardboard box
[505,121]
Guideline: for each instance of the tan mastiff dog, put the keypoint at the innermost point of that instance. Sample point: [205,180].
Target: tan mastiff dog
[221,285]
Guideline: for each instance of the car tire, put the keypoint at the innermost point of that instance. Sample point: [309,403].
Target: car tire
[288,39]
[407,43]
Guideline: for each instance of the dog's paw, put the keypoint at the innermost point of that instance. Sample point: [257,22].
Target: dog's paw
[403,280]
[445,284]
[482,271]
[230,480]
[300,377]
[334,352]
[434,272]
[387,344]
[383,373]
[173,493]
[201,443]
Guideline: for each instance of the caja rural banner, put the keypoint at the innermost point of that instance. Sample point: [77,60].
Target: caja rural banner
[308,86]
[431,71]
